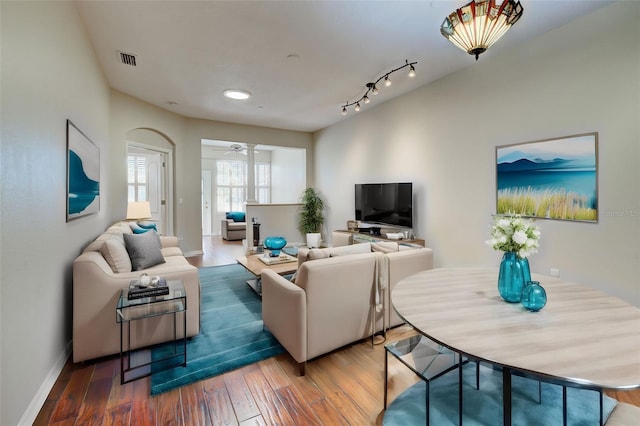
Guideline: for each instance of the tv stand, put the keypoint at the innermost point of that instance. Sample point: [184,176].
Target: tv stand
[358,236]
[372,230]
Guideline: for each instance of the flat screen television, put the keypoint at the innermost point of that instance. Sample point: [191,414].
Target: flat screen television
[385,203]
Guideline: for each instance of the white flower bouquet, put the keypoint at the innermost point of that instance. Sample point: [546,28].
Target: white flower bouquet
[514,234]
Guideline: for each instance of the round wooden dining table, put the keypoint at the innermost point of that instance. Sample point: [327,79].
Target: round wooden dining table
[582,338]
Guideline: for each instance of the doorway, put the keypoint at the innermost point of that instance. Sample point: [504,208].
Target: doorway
[207,212]
[149,171]
[232,173]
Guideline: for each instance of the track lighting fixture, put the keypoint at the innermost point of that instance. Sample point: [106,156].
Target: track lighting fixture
[373,88]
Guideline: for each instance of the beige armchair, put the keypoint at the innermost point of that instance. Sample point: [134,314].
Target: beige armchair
[402,264]
[329,306]
[336,300]
[232,231]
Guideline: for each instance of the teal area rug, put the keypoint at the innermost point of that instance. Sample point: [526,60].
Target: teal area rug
[231,331]
[484,407]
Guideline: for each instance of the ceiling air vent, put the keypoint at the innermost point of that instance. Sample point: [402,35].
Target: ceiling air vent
[128,59]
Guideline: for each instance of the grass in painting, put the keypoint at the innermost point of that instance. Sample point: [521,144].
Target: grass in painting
[546,204]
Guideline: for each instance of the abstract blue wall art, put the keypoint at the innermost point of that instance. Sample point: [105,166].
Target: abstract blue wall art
[550,179]
[83,174]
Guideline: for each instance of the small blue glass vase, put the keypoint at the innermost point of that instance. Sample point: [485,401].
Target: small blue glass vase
[275,244]
[534,297]
[514,273]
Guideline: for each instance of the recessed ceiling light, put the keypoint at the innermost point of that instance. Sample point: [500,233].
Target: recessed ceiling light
[237,94]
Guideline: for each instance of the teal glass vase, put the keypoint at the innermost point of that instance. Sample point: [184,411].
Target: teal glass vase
[514,273]
[534,296]
[275,244]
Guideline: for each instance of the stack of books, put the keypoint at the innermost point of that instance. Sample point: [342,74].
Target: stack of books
[138,292]
[283,258]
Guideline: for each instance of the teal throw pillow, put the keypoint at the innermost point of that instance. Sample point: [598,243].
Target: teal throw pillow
[148,225]
[137,229]
[236,216]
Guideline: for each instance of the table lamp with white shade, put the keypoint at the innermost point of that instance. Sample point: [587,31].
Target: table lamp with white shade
[138,210]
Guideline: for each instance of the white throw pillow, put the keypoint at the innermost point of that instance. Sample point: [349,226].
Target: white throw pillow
[115,253]
[315,254]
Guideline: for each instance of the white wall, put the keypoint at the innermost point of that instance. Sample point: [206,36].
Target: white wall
[580,78]
[49,75]
[288,175]
[276,220]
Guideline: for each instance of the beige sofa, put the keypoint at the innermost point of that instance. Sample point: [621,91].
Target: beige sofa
[97,286]
[340,295]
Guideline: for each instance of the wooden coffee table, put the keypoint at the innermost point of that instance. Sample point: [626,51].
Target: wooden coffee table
[254,265]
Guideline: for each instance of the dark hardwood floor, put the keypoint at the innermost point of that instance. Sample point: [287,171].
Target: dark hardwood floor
[344,387]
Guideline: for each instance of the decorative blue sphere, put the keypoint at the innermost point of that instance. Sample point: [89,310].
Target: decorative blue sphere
[275,244]
[534,297]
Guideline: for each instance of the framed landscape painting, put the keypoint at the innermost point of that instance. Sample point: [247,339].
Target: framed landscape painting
[551,179]
[83,174]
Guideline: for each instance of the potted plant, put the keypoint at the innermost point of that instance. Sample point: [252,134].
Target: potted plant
[310,218]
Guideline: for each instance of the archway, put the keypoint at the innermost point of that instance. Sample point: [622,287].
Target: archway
[150,176]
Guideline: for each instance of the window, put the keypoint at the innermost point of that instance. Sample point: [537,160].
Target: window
[263,182]
[137,179]
[230,185]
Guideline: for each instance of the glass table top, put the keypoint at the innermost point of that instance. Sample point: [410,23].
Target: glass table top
[133,309]
[422,355]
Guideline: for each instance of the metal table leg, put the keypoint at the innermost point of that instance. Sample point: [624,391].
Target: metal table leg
[506,396]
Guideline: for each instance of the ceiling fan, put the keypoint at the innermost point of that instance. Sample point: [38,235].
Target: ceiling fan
[237,148]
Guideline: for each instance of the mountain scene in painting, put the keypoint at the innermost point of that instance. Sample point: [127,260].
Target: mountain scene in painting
[551,179]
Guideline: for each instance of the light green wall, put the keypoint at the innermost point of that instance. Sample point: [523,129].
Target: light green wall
[49,75]
[582,77]
[129,113]
[186,134]
[189,219]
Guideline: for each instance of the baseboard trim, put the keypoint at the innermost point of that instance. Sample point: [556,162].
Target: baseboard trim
[34,407]
[193,253]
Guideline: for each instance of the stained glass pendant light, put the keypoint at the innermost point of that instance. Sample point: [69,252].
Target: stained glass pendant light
[477,25]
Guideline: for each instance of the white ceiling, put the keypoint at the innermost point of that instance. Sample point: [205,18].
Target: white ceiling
[189,52]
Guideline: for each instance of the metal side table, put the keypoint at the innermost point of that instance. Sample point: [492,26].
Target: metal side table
[128,311]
